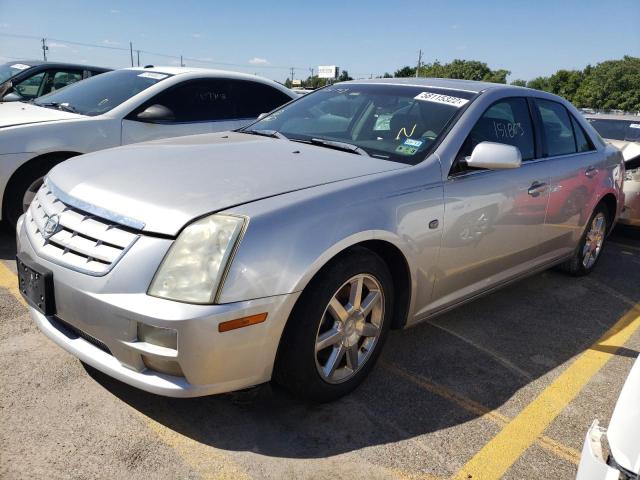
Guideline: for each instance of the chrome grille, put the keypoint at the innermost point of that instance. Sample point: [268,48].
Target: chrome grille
[81,241]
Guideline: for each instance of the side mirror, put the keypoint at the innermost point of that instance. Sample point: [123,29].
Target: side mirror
[262,115]
[494,156]
[12,97]
[156,113]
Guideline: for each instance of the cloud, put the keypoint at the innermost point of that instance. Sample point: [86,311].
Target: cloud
[454,27]
[114,11]
[258,61]
[5,25]
[461,47]
[196,35]
[110,42]
[57,45]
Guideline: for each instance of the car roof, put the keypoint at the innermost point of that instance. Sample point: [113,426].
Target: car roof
[198,70]
[612,116]
[39,63]
[449,83]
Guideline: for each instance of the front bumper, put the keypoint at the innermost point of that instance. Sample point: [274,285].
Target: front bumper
[109,308]
[631,212]
[592,463]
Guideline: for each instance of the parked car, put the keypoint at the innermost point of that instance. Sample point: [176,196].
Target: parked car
[26,80]
[288,249]
[118,108]
[623,131]
[622,437]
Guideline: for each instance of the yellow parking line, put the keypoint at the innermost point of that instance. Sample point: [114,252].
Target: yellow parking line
[206,461]
[553,446]
[495,458]
[9,281]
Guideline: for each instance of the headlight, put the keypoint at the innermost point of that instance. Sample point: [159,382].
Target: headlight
[192,270]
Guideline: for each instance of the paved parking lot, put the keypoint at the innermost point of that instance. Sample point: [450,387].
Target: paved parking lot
[504,386]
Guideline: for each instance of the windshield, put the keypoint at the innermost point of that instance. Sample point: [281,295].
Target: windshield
[9,70]
[99,94]
[392,122]
[627,130]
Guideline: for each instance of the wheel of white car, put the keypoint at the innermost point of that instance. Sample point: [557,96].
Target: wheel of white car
[337,329]
[25,184]
[590,247]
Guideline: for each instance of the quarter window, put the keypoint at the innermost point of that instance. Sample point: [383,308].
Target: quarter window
[506,121]
[583,144]
[557,128]
[253,98]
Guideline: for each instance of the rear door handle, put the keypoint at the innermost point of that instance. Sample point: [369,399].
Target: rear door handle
[591,172]
[536,188]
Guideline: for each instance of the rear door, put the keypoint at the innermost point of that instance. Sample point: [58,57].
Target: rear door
[576,172]
[494,219]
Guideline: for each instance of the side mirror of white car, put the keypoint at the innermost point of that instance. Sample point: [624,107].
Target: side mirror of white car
[156,113]
[494,156]
[12,97]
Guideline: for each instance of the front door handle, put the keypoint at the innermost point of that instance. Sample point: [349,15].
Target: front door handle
[591,172]
[536,188]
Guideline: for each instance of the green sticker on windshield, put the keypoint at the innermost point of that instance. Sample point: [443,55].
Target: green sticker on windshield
[406,150]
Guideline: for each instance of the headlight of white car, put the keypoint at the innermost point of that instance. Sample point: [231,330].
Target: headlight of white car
[193,268]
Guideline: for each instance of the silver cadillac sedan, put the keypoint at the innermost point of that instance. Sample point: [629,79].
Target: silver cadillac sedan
[288,249]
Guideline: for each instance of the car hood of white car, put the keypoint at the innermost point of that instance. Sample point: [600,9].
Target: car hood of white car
[160,186]
[21,113]
[623,433]
[629,149]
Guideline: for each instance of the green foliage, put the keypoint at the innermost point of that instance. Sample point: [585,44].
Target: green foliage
[463,69]
[519,83]
[405,72]
[344,76]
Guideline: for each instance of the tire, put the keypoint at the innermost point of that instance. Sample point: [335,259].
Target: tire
[307,372]
[583,261]
[29,176]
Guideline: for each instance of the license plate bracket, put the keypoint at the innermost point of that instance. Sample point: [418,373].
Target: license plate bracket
[36,284]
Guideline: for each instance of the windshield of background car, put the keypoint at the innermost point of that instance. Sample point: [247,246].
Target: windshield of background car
[9,70]
[101,93]
[392,122]
[627,130]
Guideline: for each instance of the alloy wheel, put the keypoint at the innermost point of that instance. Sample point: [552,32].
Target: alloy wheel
[594,240]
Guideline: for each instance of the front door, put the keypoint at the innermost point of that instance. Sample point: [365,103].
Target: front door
[493,219]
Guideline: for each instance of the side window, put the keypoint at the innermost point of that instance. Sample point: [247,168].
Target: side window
[506,121]
[60,79]
[583,144]
[30,88]
[198,101]
[557,128]
[253,98]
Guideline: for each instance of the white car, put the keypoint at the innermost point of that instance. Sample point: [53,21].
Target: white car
[623,437]
[118,108]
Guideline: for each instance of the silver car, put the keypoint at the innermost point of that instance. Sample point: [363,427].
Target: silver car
[288,249]
[623,131]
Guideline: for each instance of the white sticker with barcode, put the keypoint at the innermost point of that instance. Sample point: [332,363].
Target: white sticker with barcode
[439,98]
[155,76]
[20,66]
[634,125]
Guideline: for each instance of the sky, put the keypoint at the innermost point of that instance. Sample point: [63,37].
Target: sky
[529,38]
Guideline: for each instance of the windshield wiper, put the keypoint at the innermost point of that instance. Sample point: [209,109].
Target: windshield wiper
[344,146]
[265,133]
[60,106]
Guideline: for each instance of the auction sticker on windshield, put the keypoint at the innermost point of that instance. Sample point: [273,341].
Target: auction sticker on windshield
[439,98]
[20,66]
[155,76]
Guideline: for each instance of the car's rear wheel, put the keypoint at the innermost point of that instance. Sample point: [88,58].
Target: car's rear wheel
[590,248]
[337,328]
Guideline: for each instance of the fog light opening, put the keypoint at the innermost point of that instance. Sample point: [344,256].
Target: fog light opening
[169,367]
[163,337]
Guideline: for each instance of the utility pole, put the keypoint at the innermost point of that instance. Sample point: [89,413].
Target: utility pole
[44,49]
[131,52]
[138,52]
[292,72]
[419,62]
[311,70]
[181,62]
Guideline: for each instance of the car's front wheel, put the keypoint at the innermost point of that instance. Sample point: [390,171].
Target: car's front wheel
[337,328]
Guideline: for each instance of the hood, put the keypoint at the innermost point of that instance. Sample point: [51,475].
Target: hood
[629,150]
[166,184]
[20,113]
[623,433]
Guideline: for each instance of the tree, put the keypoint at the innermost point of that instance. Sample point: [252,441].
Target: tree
[344,76]
[405,72]
[519,83]
[614,84]
[387,75]
[539,83]
[462,69]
